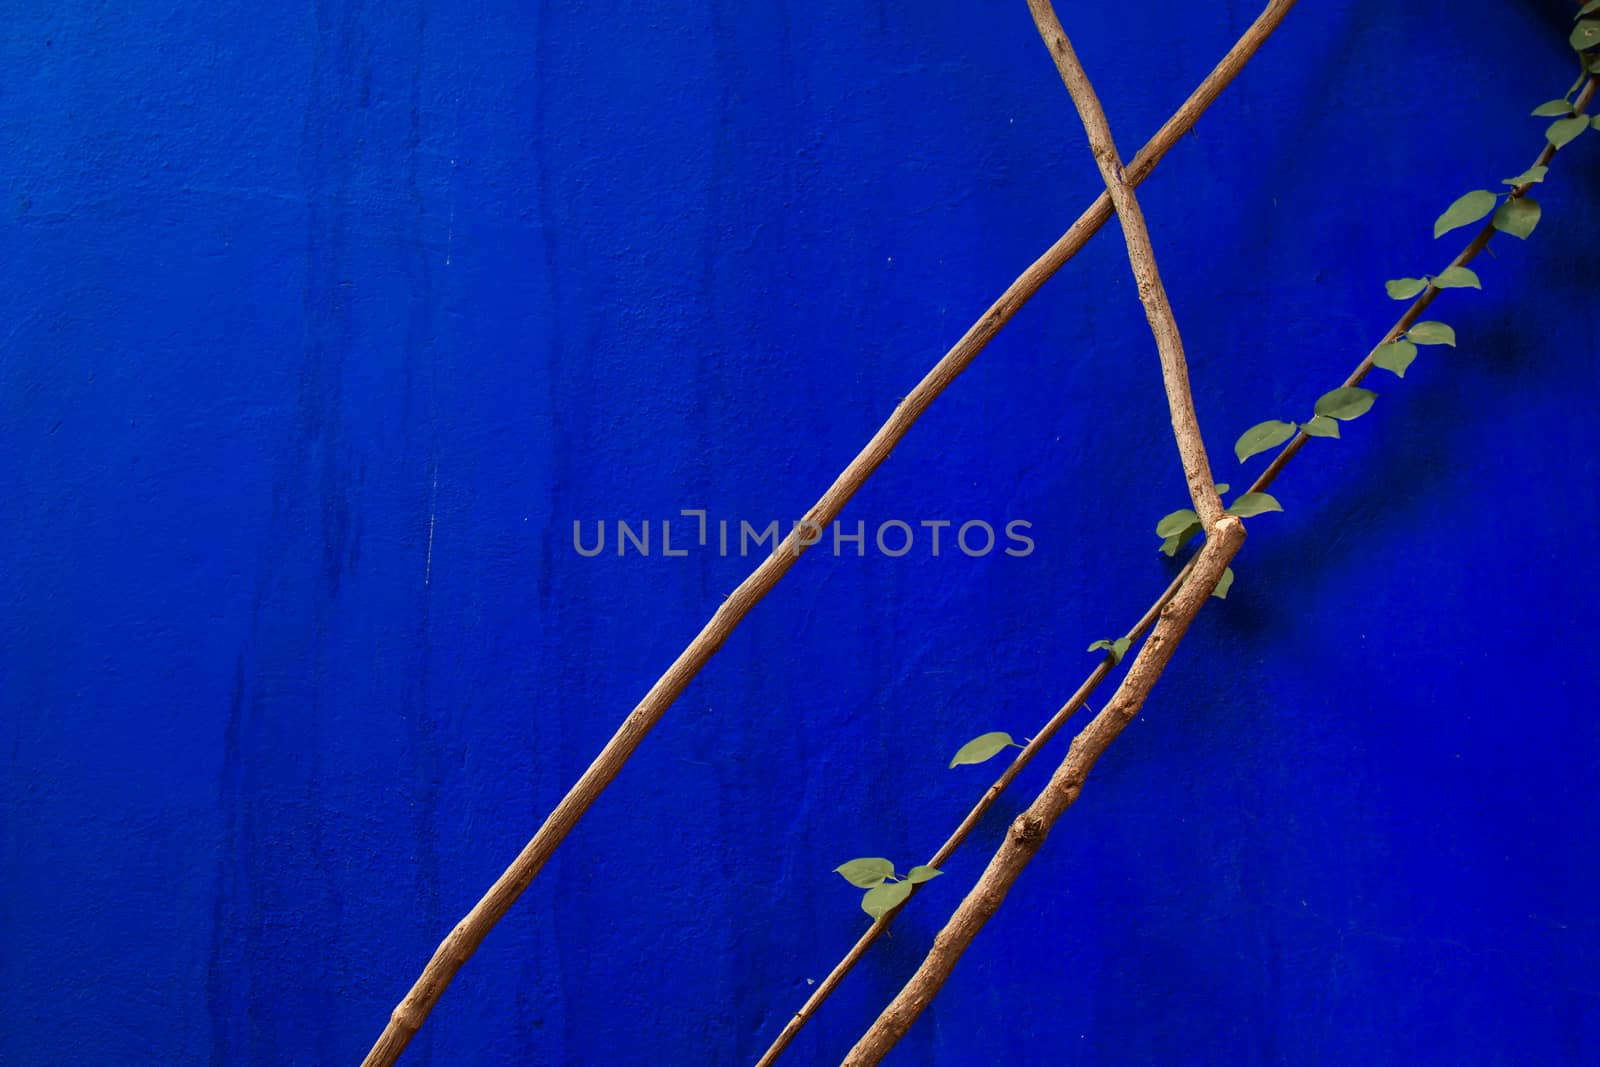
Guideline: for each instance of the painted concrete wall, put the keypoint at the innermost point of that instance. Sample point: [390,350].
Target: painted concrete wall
[324,322]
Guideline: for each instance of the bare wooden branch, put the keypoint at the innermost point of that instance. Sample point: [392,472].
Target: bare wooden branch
[468,934]
[1028,830]
[1142,258]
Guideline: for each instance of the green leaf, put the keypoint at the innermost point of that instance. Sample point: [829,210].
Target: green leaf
[981,748]
[1585,34]
[1258,438]
[1320,426]
[1432,333]
[1254,504]
[1592,5]
[1457,278]
[1224,584]
[1170,546]
[1222,487]
[1395,357]
[1345,403]
[879,900]
[1597,122]
[922,873]
[1529,176]
[1175,522]
[1552,107]
[1404,288]
[1517,216]
[1115,649]
[866,872]
[1468,209]
[1562,131]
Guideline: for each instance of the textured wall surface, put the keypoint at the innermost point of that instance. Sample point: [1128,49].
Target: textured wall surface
[322,323]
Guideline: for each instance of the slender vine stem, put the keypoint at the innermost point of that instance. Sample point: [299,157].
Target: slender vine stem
[464,939]
[1027,832]
[1414,312]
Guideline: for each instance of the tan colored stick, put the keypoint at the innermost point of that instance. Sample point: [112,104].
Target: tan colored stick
[1224,535]
[468,934]
[1142,259]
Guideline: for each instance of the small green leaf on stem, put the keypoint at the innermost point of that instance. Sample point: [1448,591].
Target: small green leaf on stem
[1592,5]
[1457,278]
[922,873]
[1254,504]
[1395,357]
[1115,649]
[1404,288]
[1517,216]
[882,899]
[1344,404]
[1552,107]
[1222,487]
[981,748]
[1529,176]
[1258,438]
[1562,131]
[866,872]
[1170,546]
[1466,210]
[1432,333]
[1175,522]
[1585,34]
[1224,584]
[1320,426]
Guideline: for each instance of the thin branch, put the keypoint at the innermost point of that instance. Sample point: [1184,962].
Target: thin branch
[468,934]
[1142,259]
[971,915]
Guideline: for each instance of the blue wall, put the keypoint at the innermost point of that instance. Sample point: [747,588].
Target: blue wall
[323,323]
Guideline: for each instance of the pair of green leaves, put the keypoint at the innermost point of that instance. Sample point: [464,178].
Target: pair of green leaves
[1115,649]
[1333,407]
[885,889]
[1517,216]
[1450,278]
[1177,528]
[1397,356]
[1568,125]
